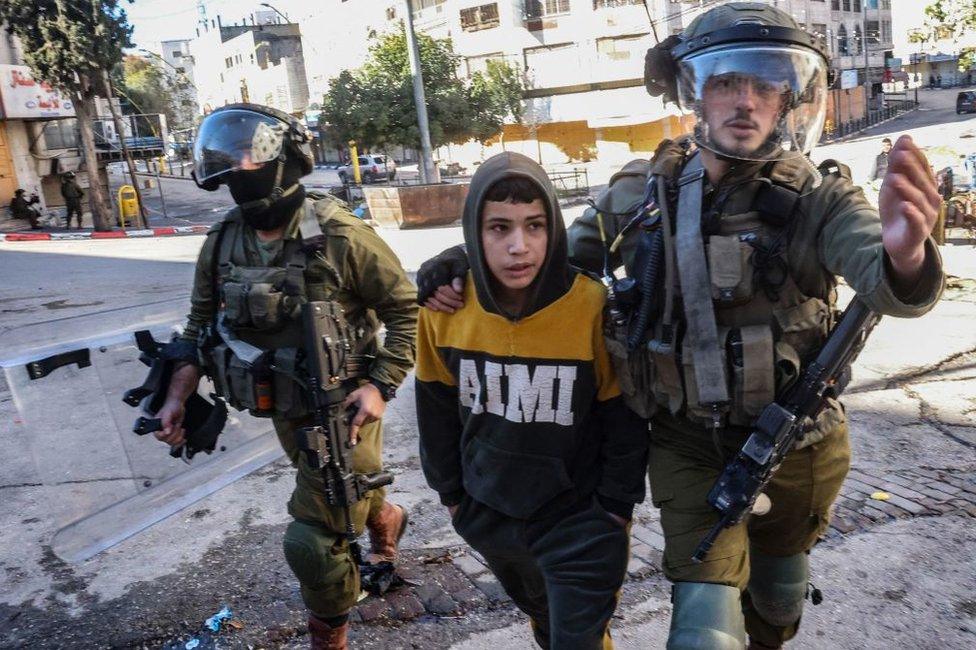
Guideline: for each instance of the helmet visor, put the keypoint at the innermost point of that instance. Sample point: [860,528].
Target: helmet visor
[235,140]
[755,101]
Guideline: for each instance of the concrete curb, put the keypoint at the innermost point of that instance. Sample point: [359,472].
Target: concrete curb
[850,136]
[166,231]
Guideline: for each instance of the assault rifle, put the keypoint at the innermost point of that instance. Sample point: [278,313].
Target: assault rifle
[781,424]
[333,370]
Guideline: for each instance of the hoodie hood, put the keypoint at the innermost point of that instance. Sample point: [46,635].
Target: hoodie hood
[555,276]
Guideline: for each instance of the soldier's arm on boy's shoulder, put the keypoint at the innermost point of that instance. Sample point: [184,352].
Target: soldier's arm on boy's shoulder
[384,287]
[202,305]
[438,420]
[623,454]
[850,246]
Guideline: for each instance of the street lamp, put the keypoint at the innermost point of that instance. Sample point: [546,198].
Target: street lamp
[274,9]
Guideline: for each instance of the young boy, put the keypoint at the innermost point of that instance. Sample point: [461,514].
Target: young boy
[522,429]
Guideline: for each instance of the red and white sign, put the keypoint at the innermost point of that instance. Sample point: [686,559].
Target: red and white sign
[23,97]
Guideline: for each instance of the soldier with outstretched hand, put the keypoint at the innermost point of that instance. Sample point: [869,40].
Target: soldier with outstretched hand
[733,242]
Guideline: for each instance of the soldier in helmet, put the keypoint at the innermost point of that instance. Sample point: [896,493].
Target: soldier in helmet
[72,195]
[278,248]
[738,240]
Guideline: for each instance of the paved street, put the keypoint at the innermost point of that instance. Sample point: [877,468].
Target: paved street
[896,573]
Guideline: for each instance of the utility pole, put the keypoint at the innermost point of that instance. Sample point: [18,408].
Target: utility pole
[867,60]
[117,119]
[428,171]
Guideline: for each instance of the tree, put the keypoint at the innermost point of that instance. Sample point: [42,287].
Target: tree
[72,44]
[949,20]
[374,104]
[150,88]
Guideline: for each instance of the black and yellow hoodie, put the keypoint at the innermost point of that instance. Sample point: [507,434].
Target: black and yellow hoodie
[523,411]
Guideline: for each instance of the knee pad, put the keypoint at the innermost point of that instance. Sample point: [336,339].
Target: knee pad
[706,616]
[325,570]
[778,586]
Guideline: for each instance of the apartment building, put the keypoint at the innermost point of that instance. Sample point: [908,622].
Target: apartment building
[257,60]
[37,130]
[583,60]
[178,63]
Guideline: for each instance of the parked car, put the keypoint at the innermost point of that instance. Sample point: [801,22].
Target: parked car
[966,102]
[372,168]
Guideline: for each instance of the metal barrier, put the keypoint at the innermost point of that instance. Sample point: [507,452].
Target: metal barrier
[894,109]
[571,182]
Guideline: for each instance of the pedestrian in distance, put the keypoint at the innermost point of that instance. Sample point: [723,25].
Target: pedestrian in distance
[276,250]
[523,432]
[880,167]
[21,208]
[755,236]
[938,80]
[72,198]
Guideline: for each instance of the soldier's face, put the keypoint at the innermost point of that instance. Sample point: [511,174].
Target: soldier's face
[514,237]
[741,111]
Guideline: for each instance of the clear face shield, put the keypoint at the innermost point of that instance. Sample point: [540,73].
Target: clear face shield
[755,101]
[236,140]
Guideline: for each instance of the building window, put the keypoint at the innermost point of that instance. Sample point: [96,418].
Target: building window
[229,62]
[847,5]
[180,70]
[418,5]
[856,6]
[835,5]
[543,8]
[622,48]
[61,134]
[607,4]
[872,35]
[820,31]
[842,41]
[885,31]
[858,40]
[477,18]
[177,54]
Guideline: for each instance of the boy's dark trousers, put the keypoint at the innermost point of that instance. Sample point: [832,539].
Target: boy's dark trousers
[564,569]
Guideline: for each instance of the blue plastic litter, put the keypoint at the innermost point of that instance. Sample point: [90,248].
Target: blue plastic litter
[213,623]
[360,211]
[192,643]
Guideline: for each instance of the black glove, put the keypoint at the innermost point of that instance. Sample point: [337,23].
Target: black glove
[440,270]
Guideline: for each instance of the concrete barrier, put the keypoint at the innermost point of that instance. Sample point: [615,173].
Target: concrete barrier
[416,206]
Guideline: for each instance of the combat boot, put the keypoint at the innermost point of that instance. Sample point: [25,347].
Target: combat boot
[322,636]
[755,645]
[386,528]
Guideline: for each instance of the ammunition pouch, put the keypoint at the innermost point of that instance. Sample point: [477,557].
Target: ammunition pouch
[242,383]
[255,298]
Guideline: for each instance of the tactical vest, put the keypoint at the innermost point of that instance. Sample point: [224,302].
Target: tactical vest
[253,351]
[773,301]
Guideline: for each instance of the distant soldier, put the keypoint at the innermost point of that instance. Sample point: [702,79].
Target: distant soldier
[21,208]
[72,198]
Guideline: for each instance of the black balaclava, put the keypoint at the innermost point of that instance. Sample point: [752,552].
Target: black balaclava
[253,192]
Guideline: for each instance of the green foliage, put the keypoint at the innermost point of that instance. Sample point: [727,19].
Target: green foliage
[69,42]
[148,89]
[374,105]
[946,20]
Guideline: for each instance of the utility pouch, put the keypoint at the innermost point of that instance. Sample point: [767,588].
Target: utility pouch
[235,303]
[635,374]
[240,377]
[751,358]
[264,305]
[290,401]
[729,267]
[219,357]
[666,375]
[804,326]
